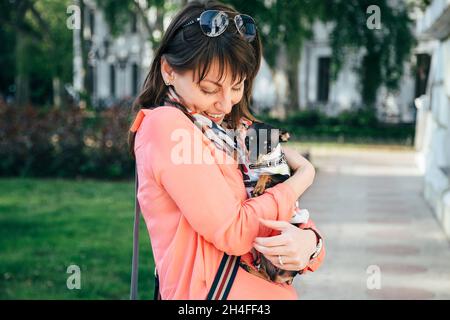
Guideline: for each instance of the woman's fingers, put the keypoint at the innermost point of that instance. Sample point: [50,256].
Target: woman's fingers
[273,251]
[272,241]
[275,224]
[288,262]
[284,238]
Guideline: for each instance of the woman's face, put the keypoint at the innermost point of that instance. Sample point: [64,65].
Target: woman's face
[212,97]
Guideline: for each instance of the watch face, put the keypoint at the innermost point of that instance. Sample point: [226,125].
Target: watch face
[318,249]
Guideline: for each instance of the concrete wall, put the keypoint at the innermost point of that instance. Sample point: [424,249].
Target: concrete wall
[433,119]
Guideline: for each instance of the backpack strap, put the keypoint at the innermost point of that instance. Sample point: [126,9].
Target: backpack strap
[135,258]
[224,278]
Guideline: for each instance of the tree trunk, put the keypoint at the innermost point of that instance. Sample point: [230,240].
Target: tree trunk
[84,49]
[142,15]
[280,80]
[81,55]
[292,105]
[159,24]
[57,92]
[22,78]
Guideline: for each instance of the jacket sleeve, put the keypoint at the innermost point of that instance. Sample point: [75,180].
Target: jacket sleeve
[181,159]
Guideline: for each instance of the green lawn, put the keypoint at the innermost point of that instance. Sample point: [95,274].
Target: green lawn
[47,225]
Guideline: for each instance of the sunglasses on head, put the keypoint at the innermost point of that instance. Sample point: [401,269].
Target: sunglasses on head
[214,22]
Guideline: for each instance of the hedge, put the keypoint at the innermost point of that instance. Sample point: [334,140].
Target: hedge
[65,143]
[71,143]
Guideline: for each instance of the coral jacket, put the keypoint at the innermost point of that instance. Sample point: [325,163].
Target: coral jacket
[196,211]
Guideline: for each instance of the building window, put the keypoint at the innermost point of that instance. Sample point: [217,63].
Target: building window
[323,79]
[112,80]
[90,79]
[92,22]
[135,75]
[422,71]
[134,23]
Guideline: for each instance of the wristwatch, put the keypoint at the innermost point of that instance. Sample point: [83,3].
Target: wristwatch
[319,244]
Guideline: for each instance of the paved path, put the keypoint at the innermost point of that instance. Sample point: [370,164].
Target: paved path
[369,206]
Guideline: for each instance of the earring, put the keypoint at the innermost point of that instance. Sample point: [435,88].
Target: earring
[168,82]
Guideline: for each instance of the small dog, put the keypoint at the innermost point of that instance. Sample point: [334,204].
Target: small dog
[268,167]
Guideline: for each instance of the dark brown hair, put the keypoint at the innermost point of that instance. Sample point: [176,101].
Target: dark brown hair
[189,49]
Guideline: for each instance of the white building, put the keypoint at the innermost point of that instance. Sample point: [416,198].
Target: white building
[119,65]
[318,90]
[433,117]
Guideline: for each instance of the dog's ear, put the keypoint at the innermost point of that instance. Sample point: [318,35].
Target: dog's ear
[274,139]
[284,135]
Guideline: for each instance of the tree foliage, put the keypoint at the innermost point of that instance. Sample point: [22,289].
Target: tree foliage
[118,15]
[384,50]
[37,48]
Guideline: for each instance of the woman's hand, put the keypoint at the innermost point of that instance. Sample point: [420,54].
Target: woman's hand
[294,245]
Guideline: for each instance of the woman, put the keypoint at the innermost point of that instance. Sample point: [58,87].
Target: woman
[197,211]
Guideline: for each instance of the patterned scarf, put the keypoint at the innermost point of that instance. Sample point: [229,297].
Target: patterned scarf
[221,137]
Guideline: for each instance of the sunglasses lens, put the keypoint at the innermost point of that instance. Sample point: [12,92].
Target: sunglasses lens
[213,22]
[246,26]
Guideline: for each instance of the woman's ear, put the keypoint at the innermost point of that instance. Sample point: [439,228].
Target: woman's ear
[167,71]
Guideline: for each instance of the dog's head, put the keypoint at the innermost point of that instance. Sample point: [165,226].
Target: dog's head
[262,139]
